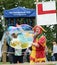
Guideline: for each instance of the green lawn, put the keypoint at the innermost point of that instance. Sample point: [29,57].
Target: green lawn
[6,63]
[27,64]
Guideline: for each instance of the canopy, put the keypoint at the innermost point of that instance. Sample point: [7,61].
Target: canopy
[20,12]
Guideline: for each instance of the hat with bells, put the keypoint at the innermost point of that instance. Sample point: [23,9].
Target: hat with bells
[39,28]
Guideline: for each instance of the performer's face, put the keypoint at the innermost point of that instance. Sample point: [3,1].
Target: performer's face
[38,30]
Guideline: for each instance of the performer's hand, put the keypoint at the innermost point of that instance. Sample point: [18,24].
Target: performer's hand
[35,44]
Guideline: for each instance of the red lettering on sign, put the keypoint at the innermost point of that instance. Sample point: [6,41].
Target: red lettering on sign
[40,10]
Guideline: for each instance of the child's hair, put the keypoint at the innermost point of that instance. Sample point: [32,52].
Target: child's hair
[14,35]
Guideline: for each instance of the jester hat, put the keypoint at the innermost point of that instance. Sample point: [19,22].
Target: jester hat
[41,29]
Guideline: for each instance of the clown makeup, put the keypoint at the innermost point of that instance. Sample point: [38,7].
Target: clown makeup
[38,30]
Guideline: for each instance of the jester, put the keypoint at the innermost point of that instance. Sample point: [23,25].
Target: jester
[38,45]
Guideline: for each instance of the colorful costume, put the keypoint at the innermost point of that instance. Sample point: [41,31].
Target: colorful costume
[38,53]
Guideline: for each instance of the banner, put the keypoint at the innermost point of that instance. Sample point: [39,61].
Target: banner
[46,13]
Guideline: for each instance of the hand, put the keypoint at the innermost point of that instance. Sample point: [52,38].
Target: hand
[35,44]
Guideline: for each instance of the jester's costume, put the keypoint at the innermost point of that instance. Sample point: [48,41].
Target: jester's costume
[38,53]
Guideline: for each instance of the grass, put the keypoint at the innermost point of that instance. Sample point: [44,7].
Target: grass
[1,63]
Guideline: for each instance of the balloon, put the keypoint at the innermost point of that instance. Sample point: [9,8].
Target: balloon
[25,35]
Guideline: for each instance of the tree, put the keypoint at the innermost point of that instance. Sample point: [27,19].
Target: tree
[9,4]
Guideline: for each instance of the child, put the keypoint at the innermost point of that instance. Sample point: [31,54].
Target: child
[18,52]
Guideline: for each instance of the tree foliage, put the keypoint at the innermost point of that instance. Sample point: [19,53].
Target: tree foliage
[1,31]
[8,4]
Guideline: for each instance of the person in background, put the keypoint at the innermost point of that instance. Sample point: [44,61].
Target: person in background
[46,50]
[10,50]
[27,53]
[54,53]
[18,52]
[38,53]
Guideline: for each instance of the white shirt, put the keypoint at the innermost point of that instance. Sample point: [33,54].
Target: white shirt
[18,52]
[54,49]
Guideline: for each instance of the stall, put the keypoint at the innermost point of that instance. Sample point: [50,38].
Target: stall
[19,15]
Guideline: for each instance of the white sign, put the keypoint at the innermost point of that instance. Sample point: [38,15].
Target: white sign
[46,13]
